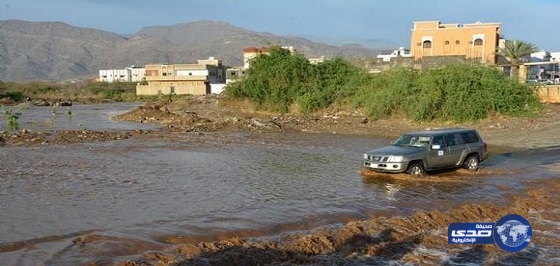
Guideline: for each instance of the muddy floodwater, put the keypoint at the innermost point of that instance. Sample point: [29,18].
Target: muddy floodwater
[138,193]
[77,117]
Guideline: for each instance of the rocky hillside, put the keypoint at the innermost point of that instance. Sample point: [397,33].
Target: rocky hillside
[57,51]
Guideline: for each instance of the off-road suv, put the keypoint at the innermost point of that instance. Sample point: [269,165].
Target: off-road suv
[422,151]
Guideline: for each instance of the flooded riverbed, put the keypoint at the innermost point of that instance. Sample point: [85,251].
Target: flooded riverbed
[142,194]
[76,117]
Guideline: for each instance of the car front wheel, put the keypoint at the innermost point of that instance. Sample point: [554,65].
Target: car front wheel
[471,163]
[416,169]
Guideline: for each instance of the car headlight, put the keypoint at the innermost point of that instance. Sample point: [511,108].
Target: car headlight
[366,156]
[395,159]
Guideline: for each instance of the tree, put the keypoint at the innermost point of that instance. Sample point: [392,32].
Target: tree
[514,51]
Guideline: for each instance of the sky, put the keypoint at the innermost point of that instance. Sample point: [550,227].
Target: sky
[333,21]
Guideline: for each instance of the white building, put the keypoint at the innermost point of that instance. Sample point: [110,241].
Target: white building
[542,56]
[136,73]
[128,74]
[544,66]
[401,52]
[555,56]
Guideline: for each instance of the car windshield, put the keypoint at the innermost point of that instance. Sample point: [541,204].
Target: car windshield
[409,140]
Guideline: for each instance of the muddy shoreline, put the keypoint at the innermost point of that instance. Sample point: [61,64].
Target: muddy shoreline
[415,239]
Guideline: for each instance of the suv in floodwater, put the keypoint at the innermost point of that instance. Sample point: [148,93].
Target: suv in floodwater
[418,152]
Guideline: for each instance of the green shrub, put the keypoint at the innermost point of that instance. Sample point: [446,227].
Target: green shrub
[456,92]
[279,79]
[13,95]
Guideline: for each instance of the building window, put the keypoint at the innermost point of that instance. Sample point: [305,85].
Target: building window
[446,42]
[457,42]
[427,44]
[478,42]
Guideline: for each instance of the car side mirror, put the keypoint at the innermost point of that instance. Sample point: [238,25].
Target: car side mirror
[436,147]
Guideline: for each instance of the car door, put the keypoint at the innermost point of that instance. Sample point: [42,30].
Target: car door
[456,146]
[439,157]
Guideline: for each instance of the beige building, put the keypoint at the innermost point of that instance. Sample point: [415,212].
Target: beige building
[477,41]
[195,79]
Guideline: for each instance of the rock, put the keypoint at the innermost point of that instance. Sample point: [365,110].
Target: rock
[41,103]
[257,123]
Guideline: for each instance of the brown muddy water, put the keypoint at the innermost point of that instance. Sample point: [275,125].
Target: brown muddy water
[78,116]
[138,194]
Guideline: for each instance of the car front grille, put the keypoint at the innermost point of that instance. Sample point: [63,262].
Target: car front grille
[378,158]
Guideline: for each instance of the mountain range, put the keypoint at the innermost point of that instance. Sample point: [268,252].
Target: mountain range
[55,51]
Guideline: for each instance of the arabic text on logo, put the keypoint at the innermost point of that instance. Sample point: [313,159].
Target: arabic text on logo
[470,233]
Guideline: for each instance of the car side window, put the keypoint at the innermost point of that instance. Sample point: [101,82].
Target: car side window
[458,139]
[449,139]
[470,137]
[438,140]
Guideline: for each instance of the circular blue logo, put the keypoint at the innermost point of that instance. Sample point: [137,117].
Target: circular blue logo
[512,233]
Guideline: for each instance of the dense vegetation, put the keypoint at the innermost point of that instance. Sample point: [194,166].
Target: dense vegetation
[459,92]
[86,91]
[278,80]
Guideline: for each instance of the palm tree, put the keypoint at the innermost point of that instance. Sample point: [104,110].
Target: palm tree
[514,51]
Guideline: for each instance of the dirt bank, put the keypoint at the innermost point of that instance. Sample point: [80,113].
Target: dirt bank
[26,137]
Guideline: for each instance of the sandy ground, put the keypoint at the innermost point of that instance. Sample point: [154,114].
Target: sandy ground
[419,239]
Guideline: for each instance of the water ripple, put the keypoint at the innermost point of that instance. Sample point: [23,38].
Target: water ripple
[216,183]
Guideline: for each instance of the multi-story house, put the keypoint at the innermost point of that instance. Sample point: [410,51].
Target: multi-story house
[234,73]
[128,74]
[477,41]
[204,77]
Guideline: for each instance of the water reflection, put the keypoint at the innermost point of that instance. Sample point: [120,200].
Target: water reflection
[77,117]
